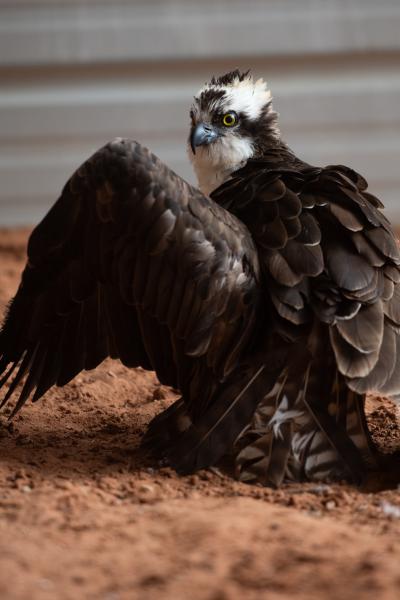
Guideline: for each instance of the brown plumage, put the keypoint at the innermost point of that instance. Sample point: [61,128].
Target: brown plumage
[273,306]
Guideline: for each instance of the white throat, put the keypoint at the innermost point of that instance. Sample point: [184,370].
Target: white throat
[215,163]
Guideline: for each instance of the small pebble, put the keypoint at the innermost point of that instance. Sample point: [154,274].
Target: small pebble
[45,584]
[193,479]
[321,490]
[390,510]
[158,394]
[145,488]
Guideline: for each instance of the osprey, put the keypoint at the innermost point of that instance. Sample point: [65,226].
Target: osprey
[269,296]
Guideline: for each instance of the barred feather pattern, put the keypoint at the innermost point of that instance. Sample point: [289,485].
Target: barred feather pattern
[285,442]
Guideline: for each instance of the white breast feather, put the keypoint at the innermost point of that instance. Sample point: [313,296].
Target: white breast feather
[214,164]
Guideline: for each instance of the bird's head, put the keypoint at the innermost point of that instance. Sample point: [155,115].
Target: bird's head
[232,120]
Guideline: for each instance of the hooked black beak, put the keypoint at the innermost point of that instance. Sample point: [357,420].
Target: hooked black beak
[202,135]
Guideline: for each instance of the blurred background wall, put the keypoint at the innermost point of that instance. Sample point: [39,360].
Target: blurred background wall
[74,74]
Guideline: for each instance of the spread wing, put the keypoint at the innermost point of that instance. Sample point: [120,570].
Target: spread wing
[330,257]
[132,262]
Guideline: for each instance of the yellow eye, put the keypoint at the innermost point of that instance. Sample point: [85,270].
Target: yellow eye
[230,119]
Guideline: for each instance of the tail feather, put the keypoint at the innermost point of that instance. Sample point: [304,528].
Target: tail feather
[333,430]
[266,459]
[302,435]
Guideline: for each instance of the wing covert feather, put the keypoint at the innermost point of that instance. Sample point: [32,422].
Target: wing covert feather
[341,268]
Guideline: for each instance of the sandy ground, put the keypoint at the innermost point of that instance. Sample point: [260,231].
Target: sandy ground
[83,514]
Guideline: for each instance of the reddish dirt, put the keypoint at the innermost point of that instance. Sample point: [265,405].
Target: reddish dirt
[83,514]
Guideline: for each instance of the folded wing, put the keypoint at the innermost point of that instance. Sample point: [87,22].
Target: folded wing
[331,267]
[331,258]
